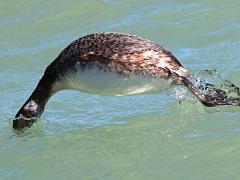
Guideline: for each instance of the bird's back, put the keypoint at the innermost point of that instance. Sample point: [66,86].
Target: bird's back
[122,53]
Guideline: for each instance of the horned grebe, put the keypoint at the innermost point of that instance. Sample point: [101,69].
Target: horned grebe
[110,63]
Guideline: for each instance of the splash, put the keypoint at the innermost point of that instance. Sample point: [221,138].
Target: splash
[212,83]
[212,89]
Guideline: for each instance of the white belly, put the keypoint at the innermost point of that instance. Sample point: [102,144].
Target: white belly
[110,84]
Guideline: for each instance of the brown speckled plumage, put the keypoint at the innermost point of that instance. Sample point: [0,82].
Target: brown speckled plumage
[128,57]
[123,53]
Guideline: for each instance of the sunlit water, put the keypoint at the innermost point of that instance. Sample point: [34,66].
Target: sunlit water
[168,135]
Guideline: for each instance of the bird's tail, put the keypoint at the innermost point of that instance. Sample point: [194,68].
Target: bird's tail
[209,95]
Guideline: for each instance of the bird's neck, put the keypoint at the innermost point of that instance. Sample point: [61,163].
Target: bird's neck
[35,104]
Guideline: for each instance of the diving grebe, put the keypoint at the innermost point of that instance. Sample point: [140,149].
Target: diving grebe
[110,63]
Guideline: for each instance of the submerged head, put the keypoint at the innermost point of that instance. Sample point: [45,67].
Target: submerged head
[22,122]
[27,115]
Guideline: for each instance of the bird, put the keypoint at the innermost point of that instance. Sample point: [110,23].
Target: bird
[114,64]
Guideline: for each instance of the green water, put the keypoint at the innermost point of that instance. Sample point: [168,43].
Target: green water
[80,136]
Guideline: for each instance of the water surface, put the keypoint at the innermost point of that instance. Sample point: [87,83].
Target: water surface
[169,135]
